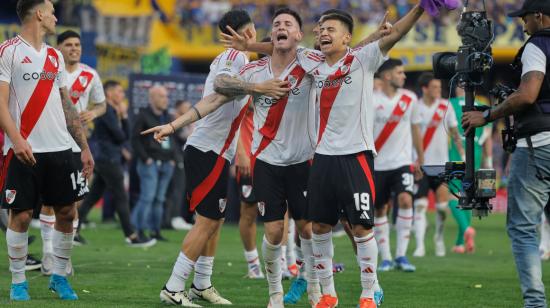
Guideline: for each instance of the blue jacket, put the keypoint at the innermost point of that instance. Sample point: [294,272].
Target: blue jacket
[110,133]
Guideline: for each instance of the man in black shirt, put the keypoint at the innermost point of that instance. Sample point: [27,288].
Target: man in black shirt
[111,131]
[155,164]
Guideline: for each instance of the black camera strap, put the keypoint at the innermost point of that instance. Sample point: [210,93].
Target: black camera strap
[532,156]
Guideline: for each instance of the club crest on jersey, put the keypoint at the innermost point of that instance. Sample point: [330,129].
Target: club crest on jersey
[83,81]
[53,60]
[440,112]
[293,81]
[261,208]
[246,190]
[402,105]
[222,204]
[10,195]
[344,69]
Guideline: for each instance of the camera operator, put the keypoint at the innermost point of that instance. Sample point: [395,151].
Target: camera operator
[529,183]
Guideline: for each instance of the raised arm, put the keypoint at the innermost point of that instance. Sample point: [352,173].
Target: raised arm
[384,28]
[245,42]
[400,29]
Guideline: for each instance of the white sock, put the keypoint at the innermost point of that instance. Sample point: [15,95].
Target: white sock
[252,258]
[323,250]
[283,257]
[382,234]
[62,248]
[75,226]
[18,246]
[181,271]
[420,221]
[272,262]
[440,219]
[367,252]
[46,230]
[203,272]
[290,244]
[309,264]
[300,262]
[403,227]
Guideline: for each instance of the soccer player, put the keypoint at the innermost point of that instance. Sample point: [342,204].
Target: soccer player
[396,130]
[483,149]
[86,93]
[39,119]
[437,117]
[208,151]
[340,177]
[249,210]
[283,143]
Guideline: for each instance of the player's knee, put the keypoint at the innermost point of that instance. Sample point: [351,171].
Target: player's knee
[304,228]
[274,231]
[20,220]
[405,200]
[47,210]
[65,214]
[321,228]
[361,230]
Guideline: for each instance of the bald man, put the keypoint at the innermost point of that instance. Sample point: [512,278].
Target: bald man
[155,165]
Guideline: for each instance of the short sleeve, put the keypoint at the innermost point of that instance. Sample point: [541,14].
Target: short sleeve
[309,59]
[533,59]
[450,117]
[231,62]
[63,80]
[415,114]
[370,55]
[97,96]
[5,65]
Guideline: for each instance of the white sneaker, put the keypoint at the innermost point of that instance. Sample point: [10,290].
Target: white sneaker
[179,223]
[419,252]
[47,264]
[439,247]
[544,255]
[276,301]
[176,298]
[210,295]
[255,272]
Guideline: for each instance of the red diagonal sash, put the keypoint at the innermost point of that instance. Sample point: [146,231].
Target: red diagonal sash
[78,88]
[36,104]
[434,123]
[275,116]
[329,93]
[200,192]
[400,108]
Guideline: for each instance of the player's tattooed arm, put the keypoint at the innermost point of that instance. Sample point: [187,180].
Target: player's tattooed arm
[245,42]
[233,87]
[74,125]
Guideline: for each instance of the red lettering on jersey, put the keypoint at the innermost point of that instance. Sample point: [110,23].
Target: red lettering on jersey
[328,94]
[200,192]
[398,112]
[275,115]
[434,123]
[80,85]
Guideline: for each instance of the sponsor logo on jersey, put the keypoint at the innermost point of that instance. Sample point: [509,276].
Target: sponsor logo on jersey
[41,76]
[261,208]
[10,195]
[247,190]
[344,69]
[26,60]
[222,204]
[334,83]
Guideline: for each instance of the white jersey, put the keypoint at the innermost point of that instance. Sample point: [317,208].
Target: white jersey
[35,104]
[345,97]
[392,129]
[435,122]
[217,130]
[284,129]
[84,88]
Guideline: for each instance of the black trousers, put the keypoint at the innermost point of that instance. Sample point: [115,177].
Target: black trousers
[176,202]
[109,176]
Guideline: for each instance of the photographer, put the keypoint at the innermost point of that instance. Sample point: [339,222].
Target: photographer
[529,183]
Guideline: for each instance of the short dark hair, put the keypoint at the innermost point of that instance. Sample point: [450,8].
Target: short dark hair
[67,35]
[337,11]
[24,7]
[425,79]
[345,19]
[109,84]
[236,19]
[389,64]
[288,11]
